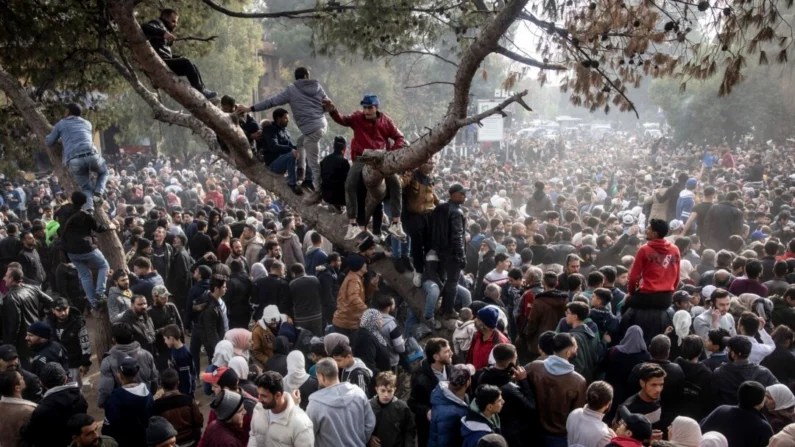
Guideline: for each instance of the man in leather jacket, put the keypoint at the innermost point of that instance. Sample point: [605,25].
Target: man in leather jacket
[159,32]
[448,240]
[23,305]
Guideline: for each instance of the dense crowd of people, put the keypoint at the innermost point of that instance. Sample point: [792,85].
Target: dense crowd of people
[645,287]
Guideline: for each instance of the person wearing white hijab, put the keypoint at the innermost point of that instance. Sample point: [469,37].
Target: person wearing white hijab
[685,432]
[224,352]
[681,328]
[779,406]
[716,439]
[298,379]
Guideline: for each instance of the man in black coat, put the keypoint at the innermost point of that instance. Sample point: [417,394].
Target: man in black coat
[210,323]
[723,221]
[329,277]
[307,309]
[201,242]
[271,289]
[9,359]
[742,425]
[333,172]
[448,239]
[435,368]
[63,399]
[159,33]
[69,329]
[162,253]
[23,305]
[238,292]
[141,323]
[728,377]
[43,349]
[10,246]
[674,384]
[179,279]
[29,258]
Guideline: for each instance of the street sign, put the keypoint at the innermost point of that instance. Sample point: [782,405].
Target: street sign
[492,129]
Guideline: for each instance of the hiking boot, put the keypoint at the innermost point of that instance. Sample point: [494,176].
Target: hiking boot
[313,198]
[399,266]
[396,229]
[353,231]
[209,94]
[297,190]
[407,264]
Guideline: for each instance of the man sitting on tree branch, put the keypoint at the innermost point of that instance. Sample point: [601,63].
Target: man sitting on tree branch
[372,129]
[159,32]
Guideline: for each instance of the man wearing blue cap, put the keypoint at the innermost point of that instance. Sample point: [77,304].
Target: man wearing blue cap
[372,130]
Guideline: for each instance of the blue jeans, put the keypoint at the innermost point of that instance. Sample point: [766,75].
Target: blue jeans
[399,249]
[286,163]
[432,293]
[81,169]
[84,262]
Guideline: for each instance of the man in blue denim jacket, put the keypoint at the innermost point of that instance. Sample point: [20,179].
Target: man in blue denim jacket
[79,154]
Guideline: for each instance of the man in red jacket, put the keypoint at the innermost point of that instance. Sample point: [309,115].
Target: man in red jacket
[486,337]
[372,130]
[653,278]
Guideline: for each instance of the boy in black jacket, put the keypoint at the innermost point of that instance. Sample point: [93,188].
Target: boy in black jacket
[394,421]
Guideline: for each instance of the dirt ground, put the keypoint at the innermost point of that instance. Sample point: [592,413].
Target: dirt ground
[90,391]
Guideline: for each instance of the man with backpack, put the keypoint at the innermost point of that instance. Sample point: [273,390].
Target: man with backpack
[448,239]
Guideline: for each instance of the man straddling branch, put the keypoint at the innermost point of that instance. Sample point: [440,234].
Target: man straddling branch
[372,130]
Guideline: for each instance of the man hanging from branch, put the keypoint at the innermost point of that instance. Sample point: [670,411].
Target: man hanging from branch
[372,130]
[306,98]
[79,154]
[160,34]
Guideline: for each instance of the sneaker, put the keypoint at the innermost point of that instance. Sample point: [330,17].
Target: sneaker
[313,198]
[98,199]
[353,231]
[417,280]
[380,238]
[297,190]
[100,301]
[396,229]
[308,185]
[209,94]
[399,266]
[407,264]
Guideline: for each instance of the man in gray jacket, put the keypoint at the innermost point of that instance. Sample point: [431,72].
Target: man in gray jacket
[307,100]
[340,412]
[124,346]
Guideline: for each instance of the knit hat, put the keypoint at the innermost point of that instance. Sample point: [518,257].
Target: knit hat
[489,316]
[492,440]
[53,375]
[205,272]
[159,431]
[750,394]
[369,101]
[638,424]
[229,379]
[40,329]
[226,405]
[333,340]
[691,183]
[144,243]
[128,367]
[366,244]
[355,262]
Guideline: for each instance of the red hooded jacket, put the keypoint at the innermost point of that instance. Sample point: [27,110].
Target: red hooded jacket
[480,350]
[656,268]
[370,134]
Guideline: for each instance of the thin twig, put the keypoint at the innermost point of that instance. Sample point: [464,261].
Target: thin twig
[199,39]
[429,83]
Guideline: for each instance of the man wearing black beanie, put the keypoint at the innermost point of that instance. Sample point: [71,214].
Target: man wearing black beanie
[743,425]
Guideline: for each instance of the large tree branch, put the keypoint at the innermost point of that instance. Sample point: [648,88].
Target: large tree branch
[495,110]
[529,61]
[315,12]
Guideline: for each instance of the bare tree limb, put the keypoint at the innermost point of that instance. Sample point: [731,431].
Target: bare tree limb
[429,83]
[424,53]
[313,12]
[195,38]
[528,60]
[495,110]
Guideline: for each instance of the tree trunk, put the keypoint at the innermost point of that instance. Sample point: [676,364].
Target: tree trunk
[108,242]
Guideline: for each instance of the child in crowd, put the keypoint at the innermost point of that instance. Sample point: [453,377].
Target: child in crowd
[181,360]
[394,421]
[462,336]
[715,345]
[317,352]
[600,314]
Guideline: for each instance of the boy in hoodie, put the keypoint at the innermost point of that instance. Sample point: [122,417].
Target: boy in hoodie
[633,431]
[390,330]
[394,421]
[686,200]
[590,349]
[351,369]
[128,408]
[308,101]
[335,406]
[483,416]
[605,321]
[657,265]
[463,334]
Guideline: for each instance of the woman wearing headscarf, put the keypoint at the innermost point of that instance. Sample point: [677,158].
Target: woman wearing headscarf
[684,432]
[784,438]
[224,351]
[241,341]
[682,322]
[779,406]
[715,439]
[148,204]
[257,271]
[298,379]
[370,346]
[620,360]
[240,366]
[173,201]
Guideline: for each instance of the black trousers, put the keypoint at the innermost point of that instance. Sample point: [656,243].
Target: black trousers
[184,67]
[418,228]
[452,270]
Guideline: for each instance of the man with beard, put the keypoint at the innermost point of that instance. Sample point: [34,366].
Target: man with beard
[162,313]
[43,349]
[276,404]
[254,244]
[85,432]
[162,253]
[237,255]
[120,298]
[180,279]
[272,251]
[9,361]
[148,278]
[23,305]
[434,369]
[159,33]
[70,331]
[141,323]
[29,258]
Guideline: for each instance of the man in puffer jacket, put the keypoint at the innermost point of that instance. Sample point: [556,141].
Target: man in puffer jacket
[481,422]
[124,346]
[450,403]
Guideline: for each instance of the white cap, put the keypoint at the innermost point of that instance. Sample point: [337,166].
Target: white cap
[675,225]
